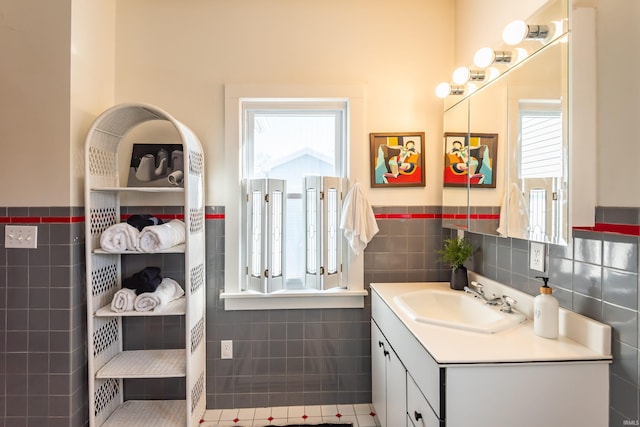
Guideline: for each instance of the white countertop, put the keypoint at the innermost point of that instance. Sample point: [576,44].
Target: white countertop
[581,338]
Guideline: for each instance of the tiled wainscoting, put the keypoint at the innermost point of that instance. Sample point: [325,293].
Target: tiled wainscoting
[310,357]
[43,365]
[283,358]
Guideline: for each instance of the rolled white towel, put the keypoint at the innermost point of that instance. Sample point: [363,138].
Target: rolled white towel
[156,238]
[119,238]
[167,291]
[123,300]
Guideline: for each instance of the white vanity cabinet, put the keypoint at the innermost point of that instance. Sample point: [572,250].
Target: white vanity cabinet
[482,379]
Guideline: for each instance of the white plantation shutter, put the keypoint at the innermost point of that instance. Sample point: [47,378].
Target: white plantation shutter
[324,242]
[264,234]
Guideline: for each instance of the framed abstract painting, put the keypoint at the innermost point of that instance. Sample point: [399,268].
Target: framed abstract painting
[397,159]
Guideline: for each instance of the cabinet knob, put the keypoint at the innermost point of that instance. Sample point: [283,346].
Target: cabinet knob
[417,415]
[380,344]
[386,352]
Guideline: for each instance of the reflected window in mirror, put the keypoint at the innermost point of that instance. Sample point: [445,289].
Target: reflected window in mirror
[541,165]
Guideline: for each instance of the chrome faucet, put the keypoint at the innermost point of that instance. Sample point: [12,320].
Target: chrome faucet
[478,292]
[507,304]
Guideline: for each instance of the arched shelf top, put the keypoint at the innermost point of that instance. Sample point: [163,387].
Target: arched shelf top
[110,128]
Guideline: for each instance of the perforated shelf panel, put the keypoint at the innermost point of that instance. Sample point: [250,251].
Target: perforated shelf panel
[174,308]
[145,364]
[147,413]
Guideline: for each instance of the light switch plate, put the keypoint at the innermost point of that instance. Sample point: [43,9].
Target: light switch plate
[226,349]
[537,256]
[21,236]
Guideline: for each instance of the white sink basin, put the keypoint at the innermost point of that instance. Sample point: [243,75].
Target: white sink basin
[458,310]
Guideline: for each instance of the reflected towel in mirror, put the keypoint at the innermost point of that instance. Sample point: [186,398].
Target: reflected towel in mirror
[514,215]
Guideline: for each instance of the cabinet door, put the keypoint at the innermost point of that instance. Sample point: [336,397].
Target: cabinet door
[378,374]
[388,384]
[396,390]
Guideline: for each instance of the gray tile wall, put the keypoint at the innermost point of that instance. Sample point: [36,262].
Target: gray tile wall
[303,357]
[42,324]
[597,276]
[283,357]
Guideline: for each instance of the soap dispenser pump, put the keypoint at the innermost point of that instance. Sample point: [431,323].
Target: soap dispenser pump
[545,312]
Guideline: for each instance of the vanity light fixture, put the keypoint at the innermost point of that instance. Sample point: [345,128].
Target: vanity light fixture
[445,89]
[487,56]
[517,31]
[461,75]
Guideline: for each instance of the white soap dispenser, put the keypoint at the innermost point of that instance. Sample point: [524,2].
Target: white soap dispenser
[545,312]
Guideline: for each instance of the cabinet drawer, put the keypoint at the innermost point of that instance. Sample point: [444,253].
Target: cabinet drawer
[418,409]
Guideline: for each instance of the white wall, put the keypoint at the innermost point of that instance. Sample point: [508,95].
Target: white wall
[34,102]
[92,78]
[178,56]
[618,39]
[56,76]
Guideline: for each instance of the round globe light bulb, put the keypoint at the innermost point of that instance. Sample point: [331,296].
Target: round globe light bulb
[484,57]
[461,75]
[443,90]
[515,32]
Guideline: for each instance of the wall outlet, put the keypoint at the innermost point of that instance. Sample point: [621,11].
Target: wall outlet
[226,349]
[537,256]
[21,236]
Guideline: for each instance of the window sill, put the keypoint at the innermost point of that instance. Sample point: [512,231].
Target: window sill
[293,300]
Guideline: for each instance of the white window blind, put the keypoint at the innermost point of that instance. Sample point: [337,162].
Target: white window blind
[540,139]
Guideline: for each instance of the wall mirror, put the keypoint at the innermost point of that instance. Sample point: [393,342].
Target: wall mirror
[525,107]
[538,148]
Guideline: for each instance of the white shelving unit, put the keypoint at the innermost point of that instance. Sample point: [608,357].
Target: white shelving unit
[108,363]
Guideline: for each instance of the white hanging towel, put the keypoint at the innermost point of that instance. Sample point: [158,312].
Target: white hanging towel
[514,215]
[358,220]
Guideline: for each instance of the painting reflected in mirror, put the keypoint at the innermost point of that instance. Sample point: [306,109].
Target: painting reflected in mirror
[470,159]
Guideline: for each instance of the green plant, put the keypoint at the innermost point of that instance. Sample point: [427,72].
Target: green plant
[455,252]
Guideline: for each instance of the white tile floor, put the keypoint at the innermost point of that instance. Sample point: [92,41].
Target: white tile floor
[361,415]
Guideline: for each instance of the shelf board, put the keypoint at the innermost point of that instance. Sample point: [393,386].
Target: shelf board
[145,413]
[145,364]
[177,249]
[139,189]
[176,307]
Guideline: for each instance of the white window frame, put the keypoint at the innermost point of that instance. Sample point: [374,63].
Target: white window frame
[234,298]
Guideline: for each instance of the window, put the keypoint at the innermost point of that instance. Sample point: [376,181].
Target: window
[540,140]
[541,167]
[292,173]
[293,168]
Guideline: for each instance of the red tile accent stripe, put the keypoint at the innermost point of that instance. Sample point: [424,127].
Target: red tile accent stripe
[435,216]
[601,227]
[79,219]
[41,219]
